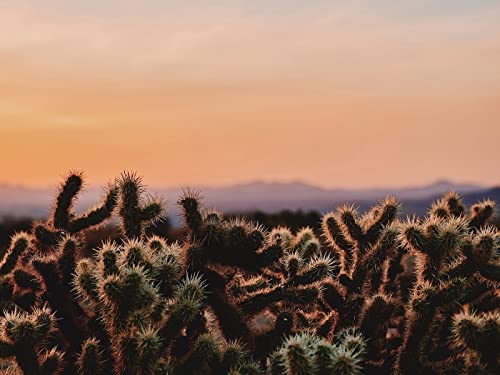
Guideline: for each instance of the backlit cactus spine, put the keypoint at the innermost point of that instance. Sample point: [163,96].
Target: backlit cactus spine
[25,337]
[479,335]
[378,296]
[305,354]
[457,265]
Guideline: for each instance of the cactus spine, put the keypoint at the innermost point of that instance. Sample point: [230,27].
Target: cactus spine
[373,294]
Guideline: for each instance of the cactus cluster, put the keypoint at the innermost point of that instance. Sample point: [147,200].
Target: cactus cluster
[370,294]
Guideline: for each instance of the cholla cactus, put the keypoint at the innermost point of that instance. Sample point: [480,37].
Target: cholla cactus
[134,210]
[378,296]
[298,285]
[64,220]
[20,243]
[306,354]
[352,235]
[457,265]
[215,243]
[451,205]
[479,335]
[25,337]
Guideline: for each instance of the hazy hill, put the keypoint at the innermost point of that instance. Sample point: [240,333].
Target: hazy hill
[18,201]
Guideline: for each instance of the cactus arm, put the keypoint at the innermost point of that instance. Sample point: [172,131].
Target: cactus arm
[97,215]
[65,199]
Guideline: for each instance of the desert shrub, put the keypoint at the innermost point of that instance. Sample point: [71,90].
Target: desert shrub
[374,294]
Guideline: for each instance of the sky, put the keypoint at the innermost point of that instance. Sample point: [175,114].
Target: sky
[352,94]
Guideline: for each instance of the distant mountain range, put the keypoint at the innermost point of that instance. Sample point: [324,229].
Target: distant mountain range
[16,201]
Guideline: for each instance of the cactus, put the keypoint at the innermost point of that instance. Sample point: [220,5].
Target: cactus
[26,337]
[305,353]
[374,294]
[479,335]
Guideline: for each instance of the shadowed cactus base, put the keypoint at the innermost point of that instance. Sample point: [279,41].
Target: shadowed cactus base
[371,294]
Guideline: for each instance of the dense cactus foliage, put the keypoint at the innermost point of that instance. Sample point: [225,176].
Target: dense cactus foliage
[371,294]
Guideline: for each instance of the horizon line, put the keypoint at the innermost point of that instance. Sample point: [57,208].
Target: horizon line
[262,182]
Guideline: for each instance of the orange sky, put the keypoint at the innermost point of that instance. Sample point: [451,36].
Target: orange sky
[357,94]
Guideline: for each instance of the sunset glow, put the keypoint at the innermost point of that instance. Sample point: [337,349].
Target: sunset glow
[214,93]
